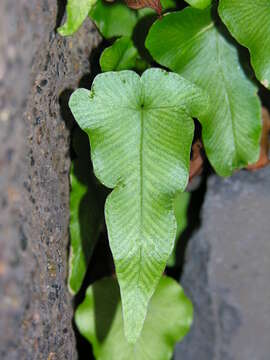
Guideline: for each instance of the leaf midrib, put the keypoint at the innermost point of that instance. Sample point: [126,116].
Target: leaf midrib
[199,34]
[141,192]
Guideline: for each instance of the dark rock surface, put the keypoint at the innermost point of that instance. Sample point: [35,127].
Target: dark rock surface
[227,272]
[36,67]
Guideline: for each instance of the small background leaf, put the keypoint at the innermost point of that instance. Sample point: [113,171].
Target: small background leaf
[99,320]
[116,19]
[140,4]
[77,12]
[249,23]
[190,43]
[113,19]
[165,4]
[122,55]
[199,4]
[86,212]
[181,202]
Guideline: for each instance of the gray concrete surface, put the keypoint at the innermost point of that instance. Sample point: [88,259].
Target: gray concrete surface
[227,272]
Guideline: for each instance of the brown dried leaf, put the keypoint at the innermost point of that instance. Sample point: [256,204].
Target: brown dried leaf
[264,159]
[196,162]
[140,4]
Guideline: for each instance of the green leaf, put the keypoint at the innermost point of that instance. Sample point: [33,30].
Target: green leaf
[84,231]
[77,11]
[249,23]
[86,213]
[113,19]
[199,4]
[166,5]
[99,320]
[122,55]
[141,132]
[181,203]
[190,43]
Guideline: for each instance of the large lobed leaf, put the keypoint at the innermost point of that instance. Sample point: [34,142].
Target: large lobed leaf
[99,319]
[141,132]
[249,23]
[190,43]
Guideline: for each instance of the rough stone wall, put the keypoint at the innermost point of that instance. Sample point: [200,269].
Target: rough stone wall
[36,67]
[227,272]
